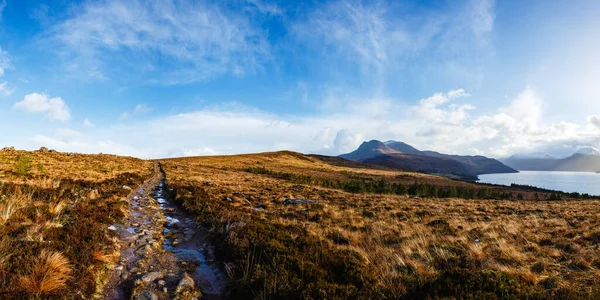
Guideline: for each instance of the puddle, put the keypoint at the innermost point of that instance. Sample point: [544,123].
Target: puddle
[185,242]
[188,241]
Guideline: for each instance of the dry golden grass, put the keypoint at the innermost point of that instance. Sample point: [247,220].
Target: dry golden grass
[110,258]
[347,245]
[49,273]
[10,204]
[405,245]
[46,169]
[54,212]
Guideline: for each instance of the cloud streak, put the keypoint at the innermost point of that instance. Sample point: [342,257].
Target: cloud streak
[4,61]
[174,41]
[383,38]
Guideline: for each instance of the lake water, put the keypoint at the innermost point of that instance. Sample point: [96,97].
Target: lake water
[581,182]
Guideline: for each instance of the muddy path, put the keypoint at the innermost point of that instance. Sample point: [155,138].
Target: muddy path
[165,253]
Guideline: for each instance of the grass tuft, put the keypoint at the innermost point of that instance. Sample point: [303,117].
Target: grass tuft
[49,274]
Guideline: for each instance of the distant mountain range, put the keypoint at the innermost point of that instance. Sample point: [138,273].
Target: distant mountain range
[586,159]
[402,156]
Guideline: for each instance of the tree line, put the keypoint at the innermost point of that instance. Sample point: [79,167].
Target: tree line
[368,185]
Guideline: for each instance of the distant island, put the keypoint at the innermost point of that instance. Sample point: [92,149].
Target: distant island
[399,155]
[586,159]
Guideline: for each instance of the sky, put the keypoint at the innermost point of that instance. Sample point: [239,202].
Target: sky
[150,78]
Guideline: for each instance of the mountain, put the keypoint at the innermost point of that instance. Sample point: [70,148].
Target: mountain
[367,150]
[586,159]
[402,156]
[588,151]
[402,147]
[421,163]
[536,155]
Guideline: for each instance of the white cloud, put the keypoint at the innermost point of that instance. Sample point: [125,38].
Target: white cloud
[141,108]
[87,146]
[199,152]
[4,60]
[68,133]
[385,39]
[137,110]
[265,7]
[518,127]
[482,16]
[526,108]
[459,93]
[358,30]
[87,123]
[174,41]
[594,120]
[431,109]
[229,130]
[346,141]
[53,108]
[5,89]
[2,6]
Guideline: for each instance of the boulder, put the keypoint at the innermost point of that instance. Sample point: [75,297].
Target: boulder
[145,295]
[150,277]
[44,149]
[298,201]
[186,283]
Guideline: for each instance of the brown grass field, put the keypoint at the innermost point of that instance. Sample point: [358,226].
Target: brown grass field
[364,233]
[362,245]
[54,213]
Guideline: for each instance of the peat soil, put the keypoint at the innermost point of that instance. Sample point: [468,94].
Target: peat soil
[165,253]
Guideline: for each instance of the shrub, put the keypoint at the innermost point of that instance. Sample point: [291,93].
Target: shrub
[23,165]
[469,284]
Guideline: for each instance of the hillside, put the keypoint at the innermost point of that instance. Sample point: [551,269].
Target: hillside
[284,225]
[424,164]
[402,156]
[55,211]
[348,231]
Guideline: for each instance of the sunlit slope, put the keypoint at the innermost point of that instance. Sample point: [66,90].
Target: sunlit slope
[293,226]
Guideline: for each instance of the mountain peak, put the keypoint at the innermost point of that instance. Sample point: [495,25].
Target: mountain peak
[402,147]
[369,149]
[372,143]
[588,151]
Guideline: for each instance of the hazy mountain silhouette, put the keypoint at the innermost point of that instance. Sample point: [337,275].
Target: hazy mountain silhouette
[402,156]
[586,159]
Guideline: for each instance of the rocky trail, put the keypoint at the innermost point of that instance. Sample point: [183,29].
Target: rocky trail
[165,253]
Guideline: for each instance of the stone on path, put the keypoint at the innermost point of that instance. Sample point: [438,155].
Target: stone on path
[150,277]
[185,283]
[145,295]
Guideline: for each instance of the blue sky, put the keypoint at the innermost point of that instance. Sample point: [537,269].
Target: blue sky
[169,78]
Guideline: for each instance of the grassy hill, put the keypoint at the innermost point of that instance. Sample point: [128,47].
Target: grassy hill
[365,244]
[55,209]
[291,226]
